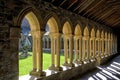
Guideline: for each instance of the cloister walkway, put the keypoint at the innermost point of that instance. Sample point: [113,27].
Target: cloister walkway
[109,71]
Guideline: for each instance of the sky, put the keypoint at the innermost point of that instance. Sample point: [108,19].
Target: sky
[25,27]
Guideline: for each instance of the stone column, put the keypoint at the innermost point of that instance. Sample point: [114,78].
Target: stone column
[95,49]
[116,44]
[52,67]
[96,46]
[106,43]
[108,46]
[88,50]
[39,54]
[80,50]
[92,50]
[83,49]
[99,47]
[111,46]
[103,47]
[76,49]
[33,72]
[71,51]
[65,51]
[58,68]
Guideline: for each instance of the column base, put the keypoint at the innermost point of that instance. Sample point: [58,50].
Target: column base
[80,62]
[102,56]
[93,59]
[52,67]
[55,68]
[71,65]
[98,60]
[109,54]
[76,61]
[86,61]
[65,64]
[58,69]
[40,73]
[34,72]
[106,55]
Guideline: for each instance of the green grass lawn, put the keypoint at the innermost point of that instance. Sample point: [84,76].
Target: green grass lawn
[25,65]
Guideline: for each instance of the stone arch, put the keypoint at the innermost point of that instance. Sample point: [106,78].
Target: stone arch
[78,43]
[106,36]
[67,32]
[102,34]
[92,43]
[53,25]
[92,32]
[32,16]
[86,31]
[109,35]
[67,28]
[52,20]
[78,23]
[78,30]
[34,19]
[98,33]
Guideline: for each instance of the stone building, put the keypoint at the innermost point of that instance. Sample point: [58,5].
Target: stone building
[89,27]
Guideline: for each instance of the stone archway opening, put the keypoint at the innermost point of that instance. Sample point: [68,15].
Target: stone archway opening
[92,44]
[86,44]
[68,40]
[52,33]
[97,43]
[78,44]
[33,64]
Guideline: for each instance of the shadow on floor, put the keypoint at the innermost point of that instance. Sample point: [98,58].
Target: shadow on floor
[110,71]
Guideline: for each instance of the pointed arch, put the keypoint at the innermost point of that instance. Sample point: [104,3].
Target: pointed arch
[53,25]
[34,23]
[86,31]
[67,28]
[102,34]
[92,32]
[53,22]
[33,17]
[78,30]
[106,35]
[98,33]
